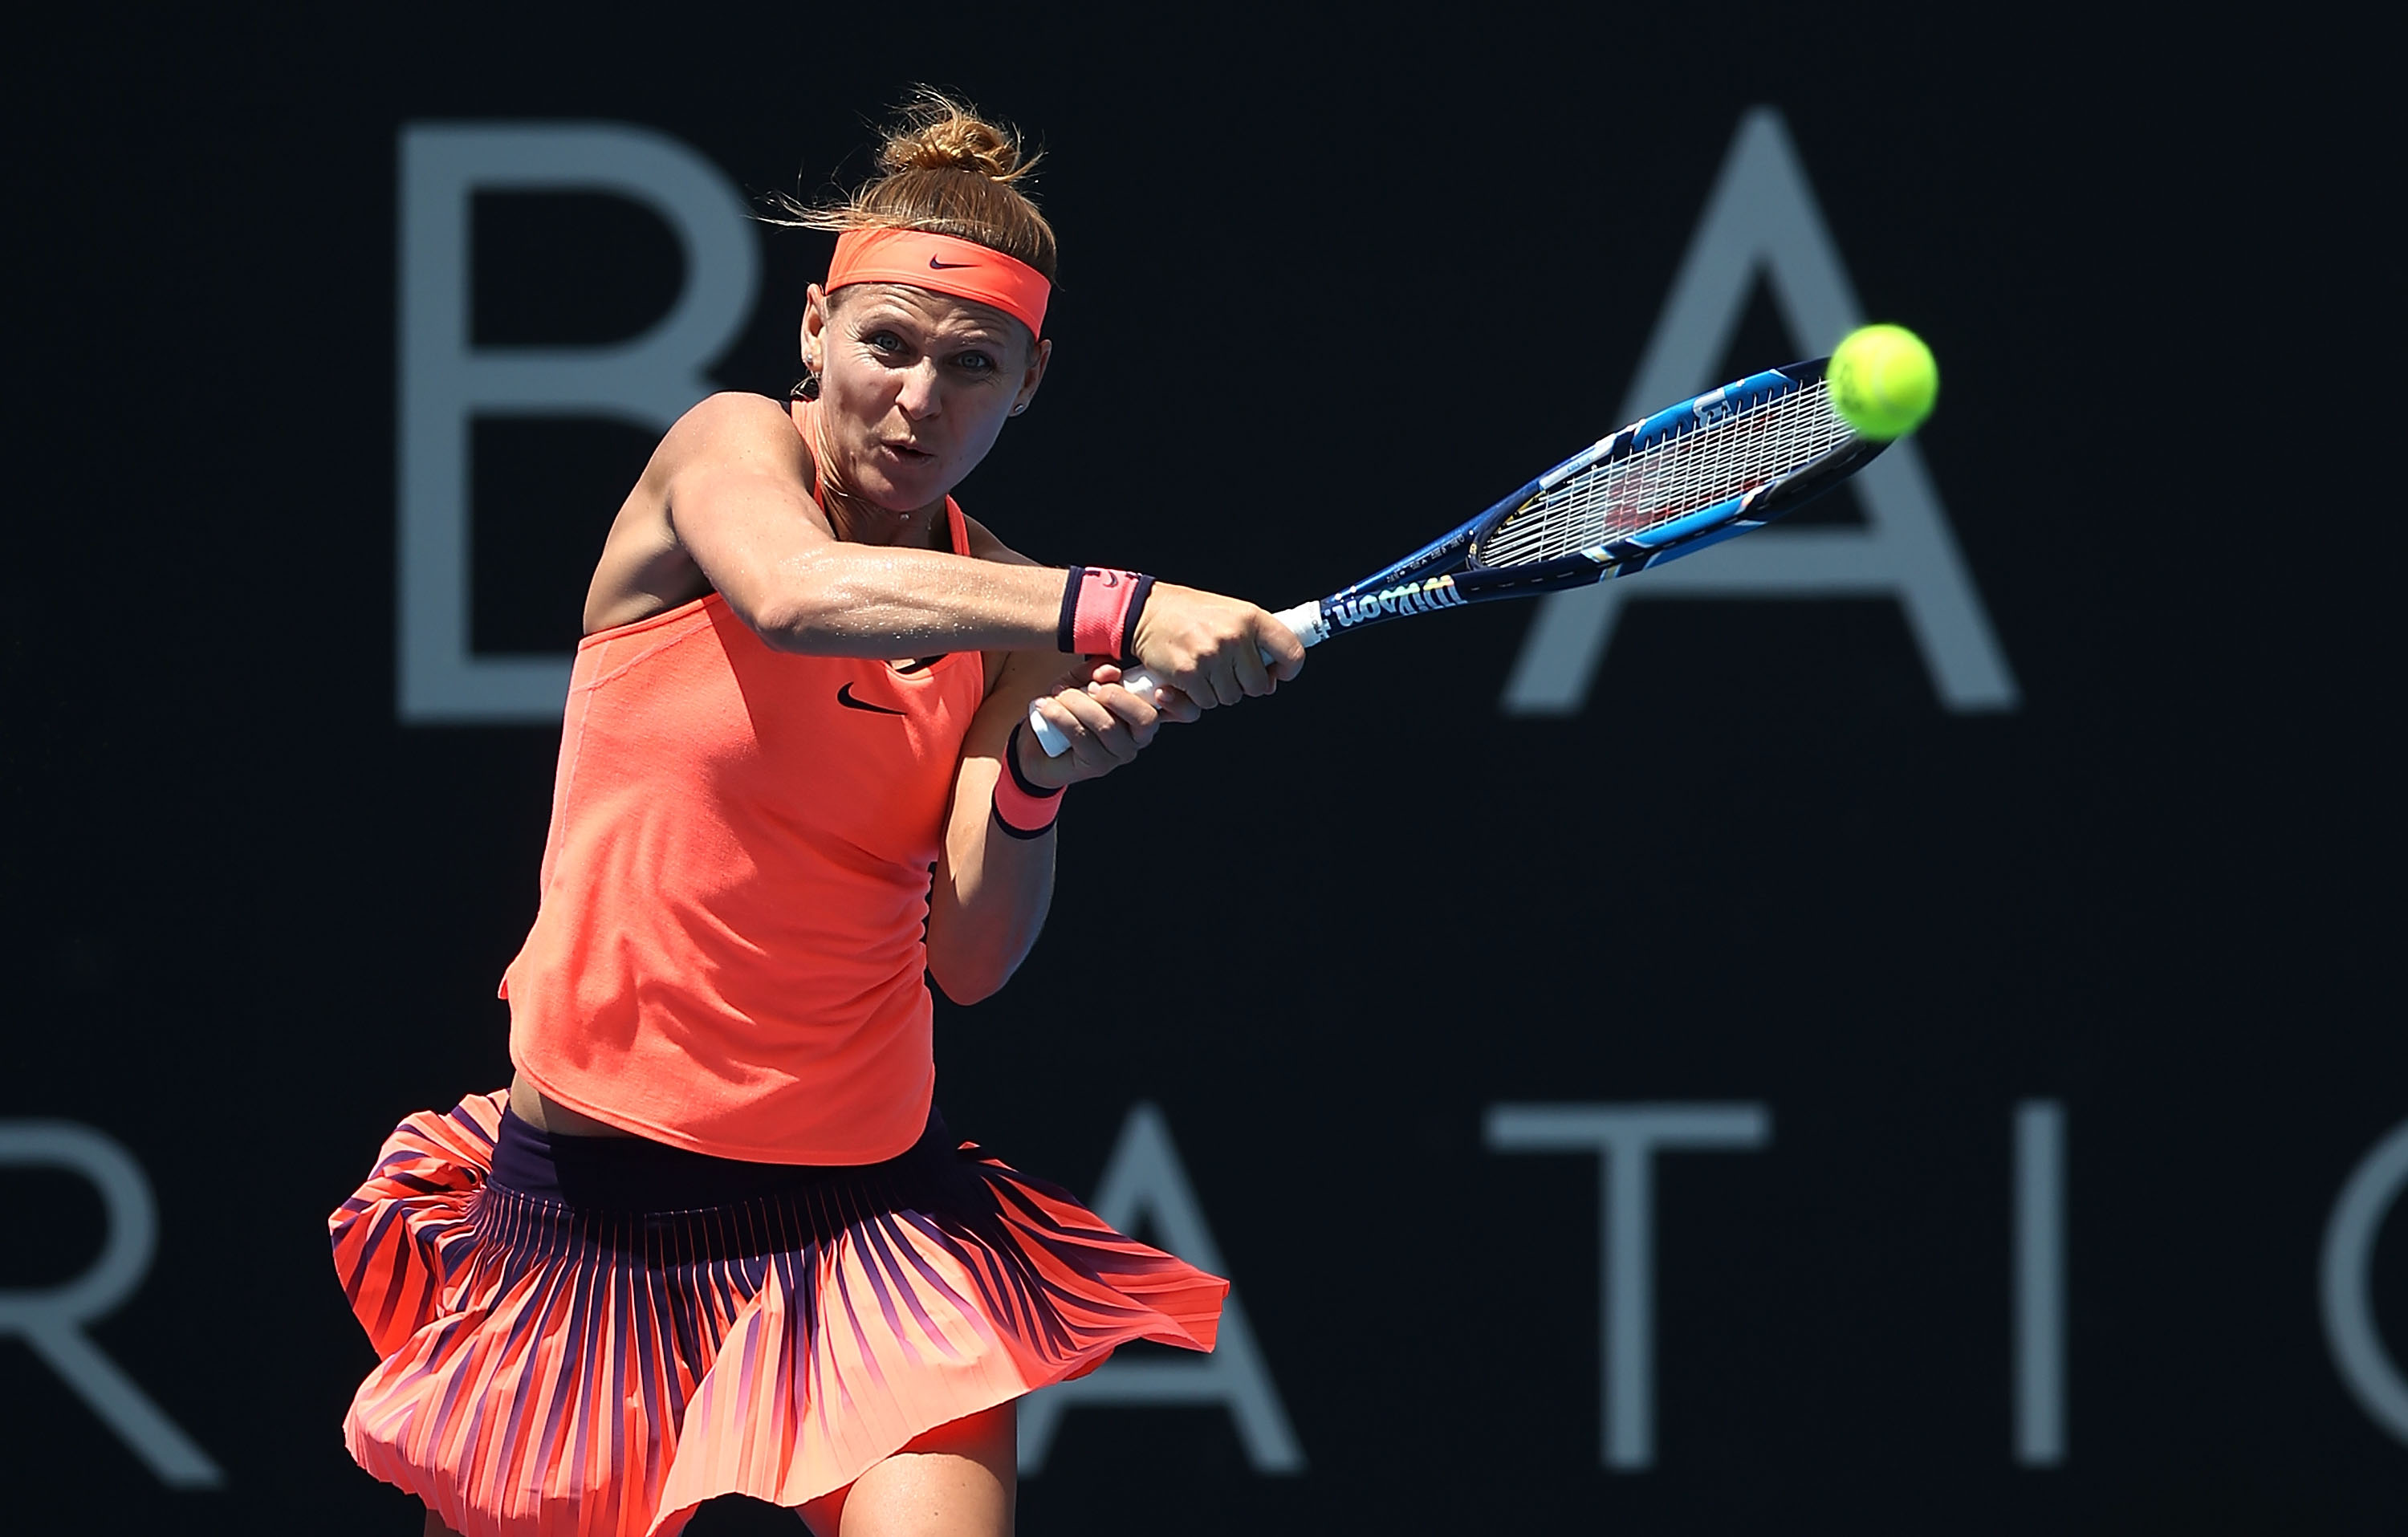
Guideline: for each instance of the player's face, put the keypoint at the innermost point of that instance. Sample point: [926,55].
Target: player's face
[914,386]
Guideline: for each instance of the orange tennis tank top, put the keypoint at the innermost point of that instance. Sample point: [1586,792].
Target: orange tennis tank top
[729,956]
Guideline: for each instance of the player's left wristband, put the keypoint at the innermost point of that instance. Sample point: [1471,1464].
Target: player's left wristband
[1101,605]
[1022,808]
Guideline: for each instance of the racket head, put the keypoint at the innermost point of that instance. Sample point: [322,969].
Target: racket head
[1692,475]
[1713,466]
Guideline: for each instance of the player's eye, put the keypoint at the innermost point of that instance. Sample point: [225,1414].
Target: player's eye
[885,343]
[976,363]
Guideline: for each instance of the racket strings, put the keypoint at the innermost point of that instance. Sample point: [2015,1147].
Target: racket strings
[1707,464]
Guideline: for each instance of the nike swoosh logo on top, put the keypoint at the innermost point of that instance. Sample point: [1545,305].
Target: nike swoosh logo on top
[844,697]
[938,267]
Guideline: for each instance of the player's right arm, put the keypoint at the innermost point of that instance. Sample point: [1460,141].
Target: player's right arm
[726,506]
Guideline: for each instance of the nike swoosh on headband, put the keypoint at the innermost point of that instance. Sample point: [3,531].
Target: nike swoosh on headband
[844,697]
[936,265]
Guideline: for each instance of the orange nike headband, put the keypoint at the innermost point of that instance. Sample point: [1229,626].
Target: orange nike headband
[940,262]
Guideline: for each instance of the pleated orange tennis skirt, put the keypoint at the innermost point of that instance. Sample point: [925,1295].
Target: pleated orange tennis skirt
[590,1336]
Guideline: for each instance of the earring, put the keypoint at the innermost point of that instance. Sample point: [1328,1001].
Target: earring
[1022,407]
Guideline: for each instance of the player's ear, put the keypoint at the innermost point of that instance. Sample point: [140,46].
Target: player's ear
[1034,376]
[815,323]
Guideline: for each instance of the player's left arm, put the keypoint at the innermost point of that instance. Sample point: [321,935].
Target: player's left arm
[991,890]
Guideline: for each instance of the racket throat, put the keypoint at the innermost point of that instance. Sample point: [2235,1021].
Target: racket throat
[1427,595]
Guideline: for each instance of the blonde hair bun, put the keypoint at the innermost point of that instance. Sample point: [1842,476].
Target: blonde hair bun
[922,184]
[939,133]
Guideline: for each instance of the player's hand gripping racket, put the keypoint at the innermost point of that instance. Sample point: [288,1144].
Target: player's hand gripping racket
[1700,473]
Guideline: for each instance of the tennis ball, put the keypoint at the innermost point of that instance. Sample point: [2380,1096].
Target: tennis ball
[1883,381]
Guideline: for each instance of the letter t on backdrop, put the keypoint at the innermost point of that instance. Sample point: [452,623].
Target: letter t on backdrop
[1626,1139]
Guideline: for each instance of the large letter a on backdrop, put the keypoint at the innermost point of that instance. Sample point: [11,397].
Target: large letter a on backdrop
[1143,1181]
[1761,216]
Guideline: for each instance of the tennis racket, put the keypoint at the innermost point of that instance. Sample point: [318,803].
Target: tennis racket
[1705,470]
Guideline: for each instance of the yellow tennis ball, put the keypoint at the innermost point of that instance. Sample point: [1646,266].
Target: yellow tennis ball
[1883,381]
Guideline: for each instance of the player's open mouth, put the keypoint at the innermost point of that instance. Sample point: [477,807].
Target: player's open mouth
[906,451]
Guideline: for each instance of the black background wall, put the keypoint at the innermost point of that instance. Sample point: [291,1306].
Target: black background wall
[1331,281]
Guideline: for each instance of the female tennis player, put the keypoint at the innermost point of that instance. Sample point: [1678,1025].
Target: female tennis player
[715,1238]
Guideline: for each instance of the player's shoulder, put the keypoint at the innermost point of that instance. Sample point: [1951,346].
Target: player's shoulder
[731,425]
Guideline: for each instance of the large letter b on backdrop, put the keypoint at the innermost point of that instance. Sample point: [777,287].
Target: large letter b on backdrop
[446,381]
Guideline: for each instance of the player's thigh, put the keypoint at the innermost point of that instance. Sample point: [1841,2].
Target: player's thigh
[956,1481]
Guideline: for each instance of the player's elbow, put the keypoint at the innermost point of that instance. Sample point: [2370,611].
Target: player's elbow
[979,932]
[784,625]
[804,613]
[966,980]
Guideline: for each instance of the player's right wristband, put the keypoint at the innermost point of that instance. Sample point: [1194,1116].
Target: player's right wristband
[1022,808]
[1099,608]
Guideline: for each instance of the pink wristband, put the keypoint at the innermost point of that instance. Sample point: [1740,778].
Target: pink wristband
[1021,809]
[1099,609]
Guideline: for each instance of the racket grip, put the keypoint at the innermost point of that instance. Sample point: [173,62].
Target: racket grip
[1304,619]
